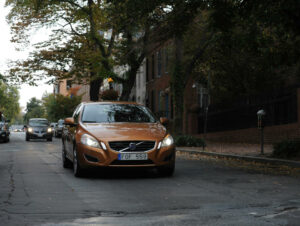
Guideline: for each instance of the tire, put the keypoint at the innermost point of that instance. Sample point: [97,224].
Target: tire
[49,139]
[65,161]
[77,170]
[27,138]
[167,170]
[6,140]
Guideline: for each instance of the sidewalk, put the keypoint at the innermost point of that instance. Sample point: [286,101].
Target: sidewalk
[239,151]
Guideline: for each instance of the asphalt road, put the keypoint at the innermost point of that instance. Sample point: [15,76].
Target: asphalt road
[36,190]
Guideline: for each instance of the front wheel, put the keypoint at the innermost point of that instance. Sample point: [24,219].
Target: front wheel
[66,162]
[27,138]
[77,170]
[168,170]
[49,139]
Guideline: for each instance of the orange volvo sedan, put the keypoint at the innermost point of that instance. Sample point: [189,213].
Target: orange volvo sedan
[116,134]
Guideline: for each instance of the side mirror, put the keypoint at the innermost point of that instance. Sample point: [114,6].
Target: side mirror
[25,126]
[8,121]
[69,121]
[164,121]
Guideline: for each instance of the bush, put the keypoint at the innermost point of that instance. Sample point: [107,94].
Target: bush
[287,149]
[189,141]
[109,94]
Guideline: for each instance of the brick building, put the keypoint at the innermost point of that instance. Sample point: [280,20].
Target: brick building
[235,124]
[66,87]
[158,95]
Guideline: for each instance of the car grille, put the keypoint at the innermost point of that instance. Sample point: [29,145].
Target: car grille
[40,130]
[132,146]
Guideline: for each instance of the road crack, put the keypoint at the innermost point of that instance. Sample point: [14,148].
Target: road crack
[281,212]
[11,184]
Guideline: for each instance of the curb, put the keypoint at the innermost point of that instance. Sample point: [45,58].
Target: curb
[271,161]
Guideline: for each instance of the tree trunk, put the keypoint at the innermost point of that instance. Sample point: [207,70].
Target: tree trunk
[95,89]
[129,83]
[177,80]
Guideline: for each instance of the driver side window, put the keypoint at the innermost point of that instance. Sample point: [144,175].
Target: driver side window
[77,113]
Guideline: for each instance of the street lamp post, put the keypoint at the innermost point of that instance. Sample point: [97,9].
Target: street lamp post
[260,123]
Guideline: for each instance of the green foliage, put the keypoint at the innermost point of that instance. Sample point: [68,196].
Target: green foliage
[59,106]
[75,41]
[189,141]
[287,149]
[109,94]
[9,100]
[255,49]
[34,109]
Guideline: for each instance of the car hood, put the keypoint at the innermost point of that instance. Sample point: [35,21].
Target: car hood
[38,127]
[126,131]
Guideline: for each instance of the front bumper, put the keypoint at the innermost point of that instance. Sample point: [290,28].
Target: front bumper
[58,132]
[91,157]
[4,135]
[39,135]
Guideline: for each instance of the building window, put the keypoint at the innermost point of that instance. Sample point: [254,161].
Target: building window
[172,107]
[153,67]
[167,105]
[153,100]
[57,88]
[159,64]
[167,58]
[69,84]
[147,70]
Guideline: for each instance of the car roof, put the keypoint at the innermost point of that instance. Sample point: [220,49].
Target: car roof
[38,119]
[110,102]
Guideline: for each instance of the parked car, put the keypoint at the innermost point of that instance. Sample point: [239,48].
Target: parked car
[38,128]
[116,134]
[17,128]
[59,128]
[53,125]
[4,129]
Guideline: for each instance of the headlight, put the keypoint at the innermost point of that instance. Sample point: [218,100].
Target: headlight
[167,141]
[30,130]
[103,146]
[89,141]
[49,130]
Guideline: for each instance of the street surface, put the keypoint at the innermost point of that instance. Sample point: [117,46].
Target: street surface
[36,190]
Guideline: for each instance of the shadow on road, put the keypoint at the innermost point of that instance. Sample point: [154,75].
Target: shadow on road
[121,173]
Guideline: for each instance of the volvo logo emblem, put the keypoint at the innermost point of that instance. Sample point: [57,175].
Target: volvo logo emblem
[132,146]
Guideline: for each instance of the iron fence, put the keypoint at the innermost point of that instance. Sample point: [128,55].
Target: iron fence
[281,108]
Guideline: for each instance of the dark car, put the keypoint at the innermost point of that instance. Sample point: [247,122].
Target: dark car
[38,128]
[59,128]
[4,130]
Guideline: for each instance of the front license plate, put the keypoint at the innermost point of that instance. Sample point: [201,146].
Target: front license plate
[40,135]
[132,156]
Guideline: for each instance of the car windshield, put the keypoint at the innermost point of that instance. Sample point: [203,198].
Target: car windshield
[60,122]
[102,113]
[38,122]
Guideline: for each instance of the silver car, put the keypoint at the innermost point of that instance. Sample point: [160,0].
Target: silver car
[59,128]
[38,128]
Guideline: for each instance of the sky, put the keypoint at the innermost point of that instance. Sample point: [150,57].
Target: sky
[8,52]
